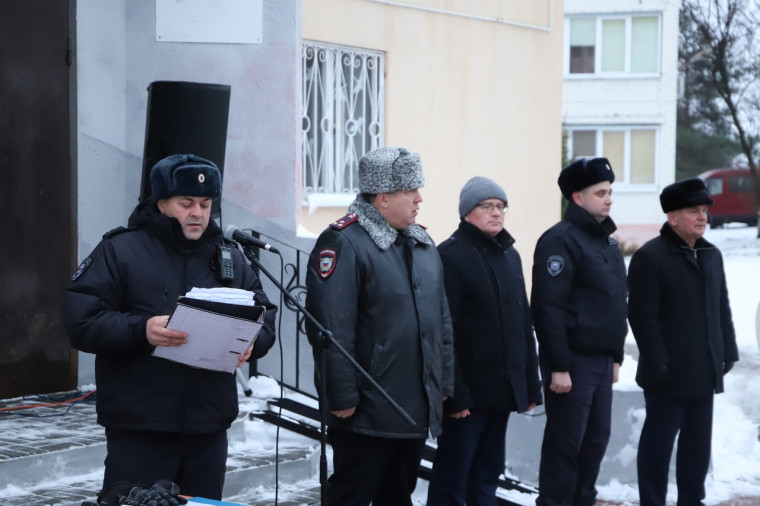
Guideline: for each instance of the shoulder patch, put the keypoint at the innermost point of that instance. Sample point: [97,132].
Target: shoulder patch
[116,231]
[345,221]
[555,264]
[82,267]
[326,262]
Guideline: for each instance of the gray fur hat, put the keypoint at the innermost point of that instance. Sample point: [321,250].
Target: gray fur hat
[186,175]
[476,190]
[388,170]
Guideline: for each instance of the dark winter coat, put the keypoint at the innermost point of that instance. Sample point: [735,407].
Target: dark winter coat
[387,307]
[132,275]
[496,362]
[579,291]
[680,316]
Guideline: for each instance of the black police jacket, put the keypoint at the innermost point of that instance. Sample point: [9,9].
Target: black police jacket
[132,275]
[496,362]
[579,295]
[391,315]
[680,316]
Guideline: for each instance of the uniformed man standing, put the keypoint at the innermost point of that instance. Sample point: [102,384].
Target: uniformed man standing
[375,281]
[163,420]
[579,312]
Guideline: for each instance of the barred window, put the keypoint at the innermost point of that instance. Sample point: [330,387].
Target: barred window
[342,100]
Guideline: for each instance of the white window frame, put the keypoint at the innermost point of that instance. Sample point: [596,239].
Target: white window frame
[622,174]
[598,49]
[330,155]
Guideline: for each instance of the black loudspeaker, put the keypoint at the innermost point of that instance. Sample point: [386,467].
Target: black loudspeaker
[185,117]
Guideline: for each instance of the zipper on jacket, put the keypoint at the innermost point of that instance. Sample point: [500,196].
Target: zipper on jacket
[693,251]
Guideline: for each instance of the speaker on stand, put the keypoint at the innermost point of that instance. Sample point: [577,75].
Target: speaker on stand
[185,117]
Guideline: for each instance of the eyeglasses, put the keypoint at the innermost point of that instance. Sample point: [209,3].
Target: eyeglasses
[489,207]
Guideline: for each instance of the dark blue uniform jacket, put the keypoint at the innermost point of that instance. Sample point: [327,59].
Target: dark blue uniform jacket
[132,275]
[579,296]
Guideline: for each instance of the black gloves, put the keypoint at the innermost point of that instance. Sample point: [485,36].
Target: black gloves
[161,493]
[112,495]
[728,365]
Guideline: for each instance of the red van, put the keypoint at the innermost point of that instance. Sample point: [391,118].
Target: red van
[734,196]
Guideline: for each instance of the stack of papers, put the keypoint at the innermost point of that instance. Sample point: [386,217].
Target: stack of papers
[226,295]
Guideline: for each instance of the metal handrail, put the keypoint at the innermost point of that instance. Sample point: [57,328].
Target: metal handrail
[297,358]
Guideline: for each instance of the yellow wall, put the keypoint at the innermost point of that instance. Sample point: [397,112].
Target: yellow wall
[473,97]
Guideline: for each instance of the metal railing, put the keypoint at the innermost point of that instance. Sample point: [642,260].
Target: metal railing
[290,361]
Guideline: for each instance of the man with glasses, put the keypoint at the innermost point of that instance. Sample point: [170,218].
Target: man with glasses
[579,310]
[496,367]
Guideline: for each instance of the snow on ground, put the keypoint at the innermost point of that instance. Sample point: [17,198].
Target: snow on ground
[735,469]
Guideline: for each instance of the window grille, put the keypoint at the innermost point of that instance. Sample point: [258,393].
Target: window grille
[342,99]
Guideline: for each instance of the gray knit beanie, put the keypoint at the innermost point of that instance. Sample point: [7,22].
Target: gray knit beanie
[388,170]
[476,190]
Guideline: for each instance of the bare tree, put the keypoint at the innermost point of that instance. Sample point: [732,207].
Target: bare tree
[725,36]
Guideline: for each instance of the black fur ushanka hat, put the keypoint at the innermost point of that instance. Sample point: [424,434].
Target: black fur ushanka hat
[186,175]
[686,193]
[583,173]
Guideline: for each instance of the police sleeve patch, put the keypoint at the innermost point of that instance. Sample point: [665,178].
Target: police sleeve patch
[327,259]
[82,267]
[555,264]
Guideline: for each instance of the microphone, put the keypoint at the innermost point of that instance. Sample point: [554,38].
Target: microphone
[232,233]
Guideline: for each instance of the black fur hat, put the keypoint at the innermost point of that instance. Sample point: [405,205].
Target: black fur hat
[186,175]
[583,173]
[686,193]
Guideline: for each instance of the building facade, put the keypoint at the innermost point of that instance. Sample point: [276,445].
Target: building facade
[619,97]
[474,87]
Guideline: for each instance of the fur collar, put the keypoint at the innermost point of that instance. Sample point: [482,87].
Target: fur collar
[378,228]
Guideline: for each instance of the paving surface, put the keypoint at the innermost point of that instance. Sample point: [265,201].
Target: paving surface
[53,455]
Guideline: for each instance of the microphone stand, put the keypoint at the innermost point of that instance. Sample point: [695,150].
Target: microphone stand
[327,340]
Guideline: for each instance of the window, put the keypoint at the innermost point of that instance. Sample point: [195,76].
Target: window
[741,184]
[714,186]
[614,45]
[342,103]
[582,43]
[632,152]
